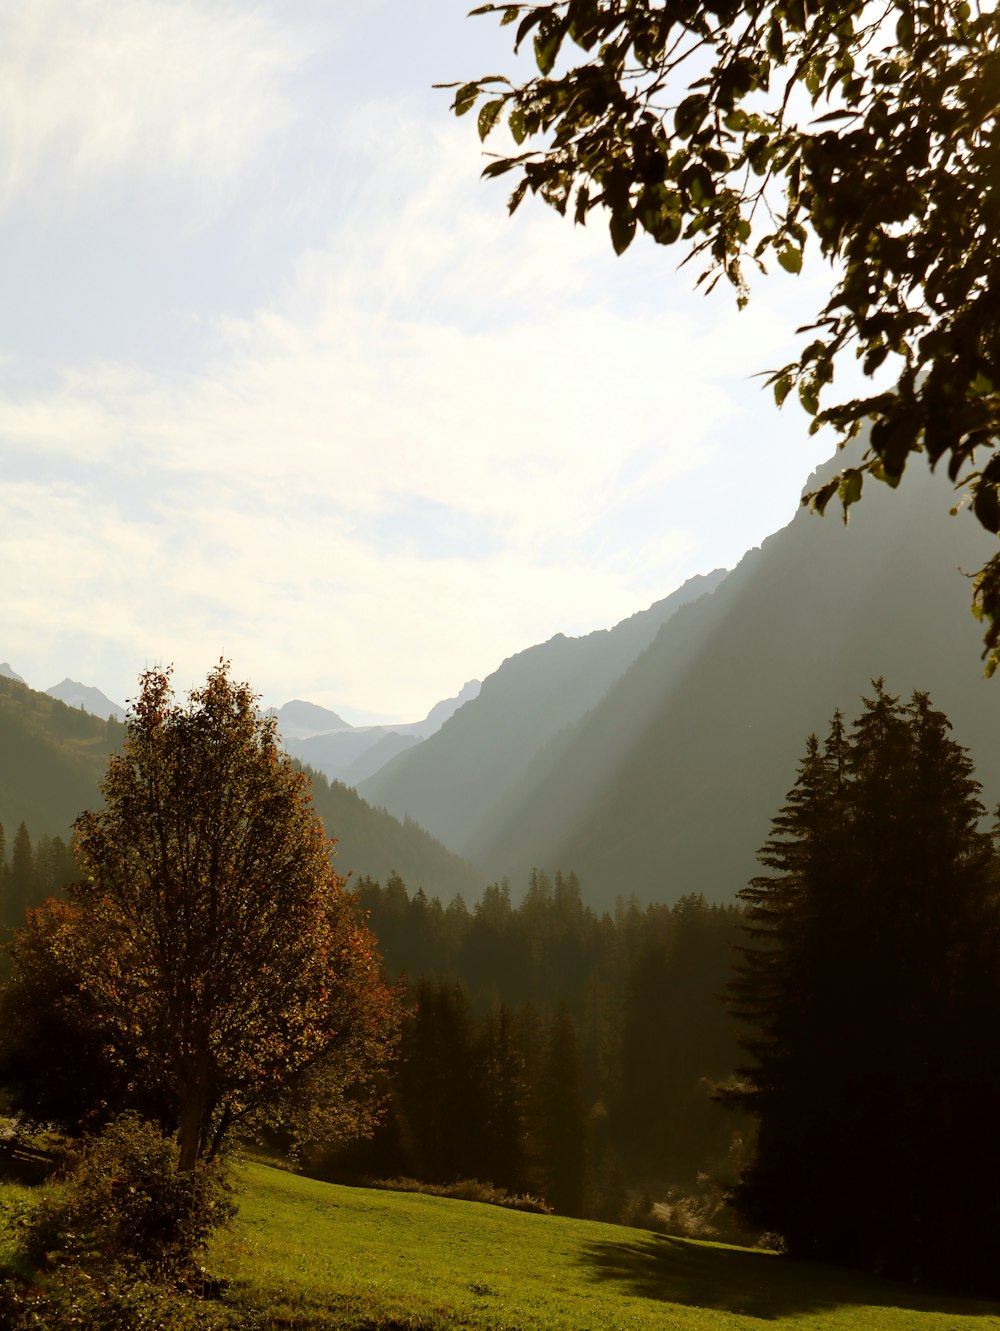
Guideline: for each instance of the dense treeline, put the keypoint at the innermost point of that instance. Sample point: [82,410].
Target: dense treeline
[586,1057]
[30,872]
[550,1050]
[554,1050]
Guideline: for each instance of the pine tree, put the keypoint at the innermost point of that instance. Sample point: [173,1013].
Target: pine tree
[563,1115]
[438,1100]
[869,983]
[21,878]
[505,1098]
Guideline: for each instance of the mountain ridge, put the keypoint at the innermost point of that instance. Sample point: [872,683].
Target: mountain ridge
[311,733]
[720,705]
[447,785]
[53,758]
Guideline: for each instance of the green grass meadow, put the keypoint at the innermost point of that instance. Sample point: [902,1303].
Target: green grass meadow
[308,1254]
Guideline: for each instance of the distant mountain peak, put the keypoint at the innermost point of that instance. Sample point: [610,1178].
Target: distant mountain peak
[75,694]
[445,710]
[298,720]
[10,673]
[353,753]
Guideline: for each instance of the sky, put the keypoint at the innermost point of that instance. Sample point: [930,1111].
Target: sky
[281,382]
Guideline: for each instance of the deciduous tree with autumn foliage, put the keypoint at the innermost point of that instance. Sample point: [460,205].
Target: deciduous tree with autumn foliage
[223,957]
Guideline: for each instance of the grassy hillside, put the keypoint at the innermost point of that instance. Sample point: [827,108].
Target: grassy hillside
[305,1255]
[308,1254]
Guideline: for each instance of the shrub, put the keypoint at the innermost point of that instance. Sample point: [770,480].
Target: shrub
[73,1299]
[124,1204]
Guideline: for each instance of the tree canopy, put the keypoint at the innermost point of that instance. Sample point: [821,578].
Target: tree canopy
[209,939]
[744,130]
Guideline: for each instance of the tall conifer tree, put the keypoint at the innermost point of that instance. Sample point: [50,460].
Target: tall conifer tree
[870,983]
[564,1119]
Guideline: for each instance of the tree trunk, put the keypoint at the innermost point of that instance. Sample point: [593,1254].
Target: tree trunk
[189,1132]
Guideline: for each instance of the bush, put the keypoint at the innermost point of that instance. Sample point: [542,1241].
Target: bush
[112,1246]
[124,1204]
[74,1299]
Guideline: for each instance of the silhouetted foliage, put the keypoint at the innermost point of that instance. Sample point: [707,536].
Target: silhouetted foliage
[562,1119]
[870,982]
[55,1061]
[743,129]
[34,872]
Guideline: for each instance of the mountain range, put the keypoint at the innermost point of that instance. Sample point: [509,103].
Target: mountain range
[667,783]
[455,781]
[327,743]
[651,757]
[53,757]
[315,735]
[74,694]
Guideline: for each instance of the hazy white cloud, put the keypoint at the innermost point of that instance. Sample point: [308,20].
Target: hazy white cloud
[155,91]
[440,437]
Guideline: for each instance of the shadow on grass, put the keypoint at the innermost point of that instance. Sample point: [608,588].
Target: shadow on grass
[755,1283]
[21,1164]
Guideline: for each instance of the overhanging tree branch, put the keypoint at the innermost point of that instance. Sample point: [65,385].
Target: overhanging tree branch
[896,180]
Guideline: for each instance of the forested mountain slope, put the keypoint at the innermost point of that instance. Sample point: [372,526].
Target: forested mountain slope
[52,761]
[455,777]
[371,842]
[668,786]
[52,758]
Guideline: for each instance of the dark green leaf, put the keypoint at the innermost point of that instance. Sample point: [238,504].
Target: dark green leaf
[849,490]
[525,26]
[878,471]
[986,506]
[690,114]
[874,359]
[465,98]
[821,497]
[658,209]
[776,41]
[547,43]
[514,202]
[622,230]
[489,113]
